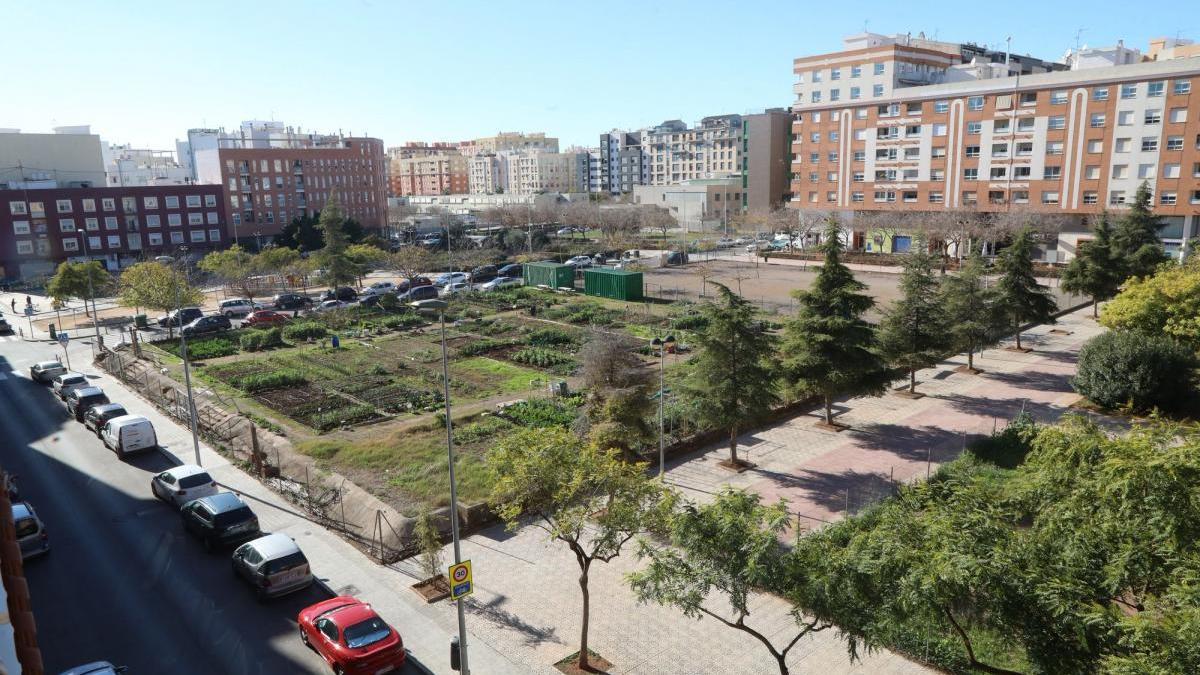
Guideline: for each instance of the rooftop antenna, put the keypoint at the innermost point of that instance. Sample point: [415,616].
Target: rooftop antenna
[1078,35]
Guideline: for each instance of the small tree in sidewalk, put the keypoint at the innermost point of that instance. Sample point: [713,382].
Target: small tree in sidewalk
[1095,269]
[84,280]
[430,542]
[971,309]
[1021,298]
[728,549]
[581,495]
[914,332]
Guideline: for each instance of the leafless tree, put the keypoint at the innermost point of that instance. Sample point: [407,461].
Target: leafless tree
[656,219]
[412,260]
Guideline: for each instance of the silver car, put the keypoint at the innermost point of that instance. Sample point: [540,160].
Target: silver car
[31,533]
[273,564]
[64,383]
[46,371]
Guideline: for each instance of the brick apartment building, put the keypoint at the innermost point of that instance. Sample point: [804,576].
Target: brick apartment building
[896,123]
[426,170]
[41,227]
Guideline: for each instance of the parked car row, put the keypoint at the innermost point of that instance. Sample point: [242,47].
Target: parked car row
[346,632]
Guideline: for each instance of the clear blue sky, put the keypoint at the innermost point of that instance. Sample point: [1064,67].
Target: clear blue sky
[144,72]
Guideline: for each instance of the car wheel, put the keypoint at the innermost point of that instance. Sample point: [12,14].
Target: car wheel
[304,638]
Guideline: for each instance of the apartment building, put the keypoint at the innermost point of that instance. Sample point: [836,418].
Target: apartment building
[534,172]
[487,174]
[69,157]
[890,125]
[623,163]
[675,152]
[127,166]
[274,174]
[509,141]
[766,160]
[41,227]
[426,169]
[698,205]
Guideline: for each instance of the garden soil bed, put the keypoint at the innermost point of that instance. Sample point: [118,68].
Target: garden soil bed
[596,664]
[432,589]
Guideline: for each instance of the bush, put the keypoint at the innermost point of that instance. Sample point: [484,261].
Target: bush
[258,340]
[484,428]
[1008,447]
[337,417]
[550,337]
[1126,369]
[483,346]
[540,413]
[303,331]
[690,322]
[209,348]
[542,358]
[401,320]
[275,379]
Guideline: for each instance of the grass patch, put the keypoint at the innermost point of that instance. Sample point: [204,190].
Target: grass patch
[499,377]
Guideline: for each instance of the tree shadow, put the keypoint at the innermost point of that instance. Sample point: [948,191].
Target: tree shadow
[1002,408]
[837,492]
[491,611]
[906,442]
[1060,356]
[1038,380]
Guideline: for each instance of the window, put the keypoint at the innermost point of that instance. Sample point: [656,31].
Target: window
[193,201]
[154,238]
[858,177]
[1091,197]
[1001,126]
[1029,98]
[1146,171]
[941,106]
[20,227]
[1052,173]
[909,196]
[996,197]
[970,197]
[974,127]
[1171,171]
[1125,118]
[197,236]
[114,241]
[885,175]
[912,130]
[935,197]
[1174,142]
[1120,171]
[1092,172]
[110,222]
[1024,148]
[172,202]
[1100,94]
[860,134]
[174,219]
[834,74]
[814,136]
[1058,97]
[939,130]
[855,93]
[176,237]
[1149,143]
[974,103]
[66,224]
[211,218]
[1003,102]
[1129,91]
[150,202]
[998,173]
[813,177]
[1025,125]
[938,152]
[887,133]
[833,157]
[970,174]
[816,97]
[1049,197]
[153,220]
[108,204]
[856,196]
[37,209]
[1182,87]
[937,174]
[1155,89]
[1153,117]
[814,157]
[91,224]
[999,149]
[1167,199]
[812,197]
[1178,115]
[912,153]
[855,71]
[885,196]
[195,219]
[1056,122]
[860,114]
[816,76]
[1097,120]
[1022,172]
[62,205]
[1020,196]
[70,244]
[1054,148]
[835,94]
[913,108]
[830,196]
[18,208]
[24,247]
[1122,145]
[972,150]
[877,90]
[878,68]
[860,155]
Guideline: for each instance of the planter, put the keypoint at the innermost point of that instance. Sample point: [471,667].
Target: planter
[433,588]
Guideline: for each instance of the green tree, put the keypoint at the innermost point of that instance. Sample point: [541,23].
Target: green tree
[364,258]
[84,280]
[584,497]
[301,234]
[970,306]
[429,539]
[1135,243]
[828,348]
[618,393]
[276,260]
[154,285]
[234,266]
[729,549]
[340,269]
[1123,368]
[732,383]
[1166,303]
[915,332]
[1019,296]
[1094,270]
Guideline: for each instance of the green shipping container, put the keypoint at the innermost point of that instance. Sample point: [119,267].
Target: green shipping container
[553,275]
[606,282]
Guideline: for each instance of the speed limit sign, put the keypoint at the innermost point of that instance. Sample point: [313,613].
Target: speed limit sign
[460,580]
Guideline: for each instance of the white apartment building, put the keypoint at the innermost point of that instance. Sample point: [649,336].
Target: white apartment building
[127,166]
[486,174]
[711,149]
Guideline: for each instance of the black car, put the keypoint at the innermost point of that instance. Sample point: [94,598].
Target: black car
[82,399]
[371,300]
[96,416]
[510,270]
[344,293]
[207,324]
[419,293]
[180,317]
[482,274]
[220,520]
[291,301]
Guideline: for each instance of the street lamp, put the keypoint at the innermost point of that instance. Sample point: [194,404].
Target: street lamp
[187,371]
[440,306]
[95,317]
[663,344]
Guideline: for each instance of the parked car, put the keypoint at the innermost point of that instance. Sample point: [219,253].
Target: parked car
[327,305]
[31,533]
[370,300]
[419,293]
[220,520]
[379,288]
[500,282]
[343,293]
[207,324]
[677,258]
[83,399]
[756,246]
[458,287]
[264,318]
[181,484]
[5,327]
[180,317]
[579,261]
[46,371]
[64,383]
[291,301]
[96,416]
[725,242]
[565,231]
[432,240]
[483,273]
[446,278]
[273,564]
[351,637]
[235,307]
[509,270]
[97,667]
[128,433]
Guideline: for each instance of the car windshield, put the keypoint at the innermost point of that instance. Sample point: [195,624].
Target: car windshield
[233,517]
[366,633]
[116,412]
[26,527]
[194,480]
[285,563]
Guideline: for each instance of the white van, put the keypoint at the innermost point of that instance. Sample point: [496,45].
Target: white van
[128,433]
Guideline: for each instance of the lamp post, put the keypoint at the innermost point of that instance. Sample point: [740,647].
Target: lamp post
[91,292]
[187,371]
[440,306]
[662,344]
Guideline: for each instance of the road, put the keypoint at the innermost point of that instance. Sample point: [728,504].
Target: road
[122,581]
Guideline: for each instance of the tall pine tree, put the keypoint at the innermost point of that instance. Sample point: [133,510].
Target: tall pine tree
[914,334]
[829,349]
[340,268]
[1094,270]
[1135,242]
[1021,299]
[733,374]
[971,308]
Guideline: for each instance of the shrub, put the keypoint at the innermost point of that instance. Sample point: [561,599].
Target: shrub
[1008,447]
[484,428]
[550,337]
[540,413]
[210,348]
[349,415]
[690,322]
[1123,368]
[275,379]
[540,357]
[483,346]
[258,340]
[304,331]
[400,320]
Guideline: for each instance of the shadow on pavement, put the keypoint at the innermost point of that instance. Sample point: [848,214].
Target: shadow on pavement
[837,491]
[1037,380]
[1002,409]
[491,611]
[909,443]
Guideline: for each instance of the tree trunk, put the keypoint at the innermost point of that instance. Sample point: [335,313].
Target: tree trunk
[970,359]
[583,630]
[828,410]
[912,380]
[1018,338]
[733,457]
[1095,308]
[782,659]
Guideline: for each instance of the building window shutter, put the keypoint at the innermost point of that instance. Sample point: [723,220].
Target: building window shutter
[1004,102]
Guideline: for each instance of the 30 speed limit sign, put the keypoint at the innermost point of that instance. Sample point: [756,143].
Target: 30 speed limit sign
[460,580]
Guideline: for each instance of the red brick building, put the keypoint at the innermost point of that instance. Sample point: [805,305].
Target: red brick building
[39,228]
[426,169]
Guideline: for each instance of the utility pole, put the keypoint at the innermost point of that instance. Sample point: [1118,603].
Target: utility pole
[187,372]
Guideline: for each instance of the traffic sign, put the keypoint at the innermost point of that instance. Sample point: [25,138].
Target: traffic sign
[28,310]
[460,580]
[63,338]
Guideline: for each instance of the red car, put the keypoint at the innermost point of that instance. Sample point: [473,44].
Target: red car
[351,637]
[265,317]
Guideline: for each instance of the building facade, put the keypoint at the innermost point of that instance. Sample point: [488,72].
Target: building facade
[766,160]
[676,153]
[622,162]
[509,141]
[42,227]
[701,205]
[434,174]
[71,156]
[892,126]
[127,166]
